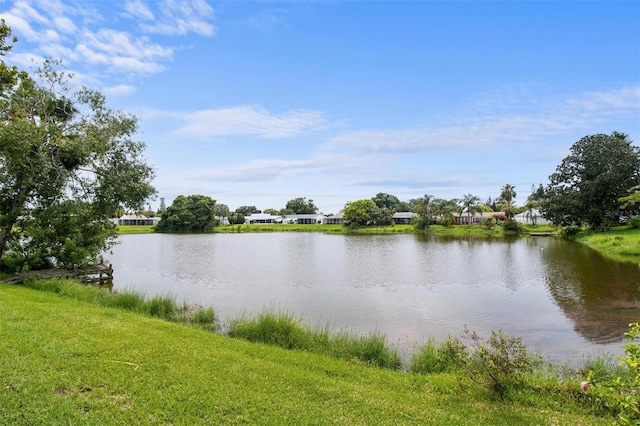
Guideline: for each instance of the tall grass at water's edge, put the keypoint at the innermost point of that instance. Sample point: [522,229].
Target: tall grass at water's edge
[286,330]
[163,306]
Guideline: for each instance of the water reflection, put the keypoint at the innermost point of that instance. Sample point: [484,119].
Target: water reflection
[600,296]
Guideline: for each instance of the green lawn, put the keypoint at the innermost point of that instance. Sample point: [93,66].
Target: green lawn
[63,361]
[133,229]
[453,230]
[621,243]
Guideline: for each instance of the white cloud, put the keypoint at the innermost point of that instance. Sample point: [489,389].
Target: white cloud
[137,9]
[247,120]
[322,165]
[119,90]
[134,65]
[487,130]
[182,17]
[258,170]
[121,53]
[64,24]
[626,99]
[79,35]
[26,60]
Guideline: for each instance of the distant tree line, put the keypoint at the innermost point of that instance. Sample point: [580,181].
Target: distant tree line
[597,186]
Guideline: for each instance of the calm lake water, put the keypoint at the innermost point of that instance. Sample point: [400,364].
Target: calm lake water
[560,297]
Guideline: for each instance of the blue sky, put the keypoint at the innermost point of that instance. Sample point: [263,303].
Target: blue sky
[257,103]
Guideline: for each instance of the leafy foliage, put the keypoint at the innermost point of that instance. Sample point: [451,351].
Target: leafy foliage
[569,232]
[499,362]
[622,393]
[512,227]
[360,212]
[67,164]
[470,204]
[488,222]
[634,222]
[507,194]
[195,213]
[247,210]
[631,200]
[387,201]
[301,205]
[586,187]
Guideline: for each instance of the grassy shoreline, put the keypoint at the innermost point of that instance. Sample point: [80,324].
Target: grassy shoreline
[64,361]
[454,230]
[621,243]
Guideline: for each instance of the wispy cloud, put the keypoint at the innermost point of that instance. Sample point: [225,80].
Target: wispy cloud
[248,120]
[367,158]
[137,9]
[625,100]
[122,53]
[119,90]
[490,129]
[258,170]
[84,40]
[175,17]
[416,181]
[322,165]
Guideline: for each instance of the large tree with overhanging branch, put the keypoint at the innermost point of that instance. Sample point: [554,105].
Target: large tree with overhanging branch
[67,164]
[587,186]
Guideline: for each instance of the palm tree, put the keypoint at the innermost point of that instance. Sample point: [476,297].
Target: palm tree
[507,194]
[530,206]
[424,206]
[444,209]
[470,205]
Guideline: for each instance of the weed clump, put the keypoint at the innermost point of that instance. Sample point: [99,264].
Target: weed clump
[434,357]
[499,362]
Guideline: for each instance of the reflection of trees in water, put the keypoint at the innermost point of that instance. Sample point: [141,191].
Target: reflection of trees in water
[599,295]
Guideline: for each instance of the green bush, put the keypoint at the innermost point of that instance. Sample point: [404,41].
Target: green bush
[569,232]
[512,227]
[488,222]
[621,393]
[421,223]
[634,222]
[500,362]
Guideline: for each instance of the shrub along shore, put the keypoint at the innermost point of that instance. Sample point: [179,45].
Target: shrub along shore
[74,354]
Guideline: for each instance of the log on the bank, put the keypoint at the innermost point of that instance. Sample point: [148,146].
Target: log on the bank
[98,273]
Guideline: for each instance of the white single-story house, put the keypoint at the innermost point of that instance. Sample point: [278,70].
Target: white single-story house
[261,218]
[476,218]
[303,219]
[403,218]
[136,220]
[532,217]
[336,219]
